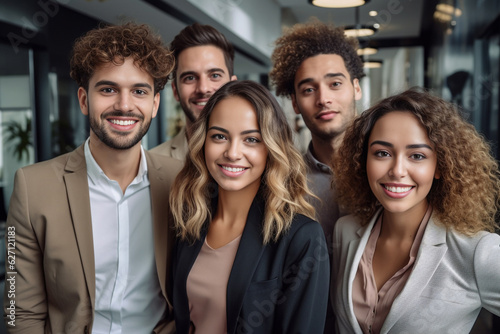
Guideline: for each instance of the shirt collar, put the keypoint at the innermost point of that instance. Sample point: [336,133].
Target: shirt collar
[314,163]
[94,171]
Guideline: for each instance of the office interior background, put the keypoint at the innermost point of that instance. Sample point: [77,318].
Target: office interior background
[449,46]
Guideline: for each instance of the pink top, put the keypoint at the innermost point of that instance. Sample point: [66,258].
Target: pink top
[206,287]
[371,306]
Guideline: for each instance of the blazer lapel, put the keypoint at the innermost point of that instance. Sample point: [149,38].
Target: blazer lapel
[355,250]
[247,258]
[186,256]
[163,236]
[77,189]
[432,249]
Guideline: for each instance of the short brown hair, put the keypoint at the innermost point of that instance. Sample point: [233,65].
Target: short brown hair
[112,44]
[303,41]
[465,197]
[200,35]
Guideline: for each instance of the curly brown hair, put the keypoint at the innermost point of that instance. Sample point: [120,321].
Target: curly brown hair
[307,40]
[467,195]
[112,44]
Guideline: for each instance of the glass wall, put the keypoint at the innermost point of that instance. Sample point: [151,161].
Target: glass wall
[16,130]
[16,116]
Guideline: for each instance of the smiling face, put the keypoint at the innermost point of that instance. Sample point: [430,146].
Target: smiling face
[120,103]
[235,154]
[325,96]
[401,163]
[201,70]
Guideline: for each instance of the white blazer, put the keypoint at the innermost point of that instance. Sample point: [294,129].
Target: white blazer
[453,277]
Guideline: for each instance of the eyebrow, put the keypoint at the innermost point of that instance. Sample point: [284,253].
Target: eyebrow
[112,83]
[225,131]
[212,70]
[384,143]
[326,76]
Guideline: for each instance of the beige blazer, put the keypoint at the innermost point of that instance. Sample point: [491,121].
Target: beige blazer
[453,277]
[176,147]
[54,255]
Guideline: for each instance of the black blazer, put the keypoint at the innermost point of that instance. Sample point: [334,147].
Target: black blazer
[281,287]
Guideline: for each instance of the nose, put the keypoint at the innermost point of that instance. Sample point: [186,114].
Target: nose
[123,102]
[203,86]
[324,96]
[233,151]
[398,169]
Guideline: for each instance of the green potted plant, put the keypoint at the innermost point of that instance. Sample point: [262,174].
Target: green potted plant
[20,136]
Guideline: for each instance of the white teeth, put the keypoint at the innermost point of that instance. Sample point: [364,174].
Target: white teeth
[398,189]
[231,169]
[119,122]
[201,103]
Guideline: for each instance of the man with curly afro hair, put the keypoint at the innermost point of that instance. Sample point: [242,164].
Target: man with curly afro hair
[317,66]
[92,237]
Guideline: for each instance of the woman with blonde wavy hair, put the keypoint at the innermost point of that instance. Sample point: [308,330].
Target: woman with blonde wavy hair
[249,257]
[419,254]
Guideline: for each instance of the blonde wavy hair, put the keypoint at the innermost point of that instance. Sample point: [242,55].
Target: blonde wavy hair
[283,185]
[465,197]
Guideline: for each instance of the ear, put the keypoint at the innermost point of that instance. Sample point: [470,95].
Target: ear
[174,89]
[234,78]
[437,174]
[83,100]
[357,90]
[294,104]
[156,104]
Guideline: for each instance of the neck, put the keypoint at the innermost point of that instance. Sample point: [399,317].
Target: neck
[233,207]
[325,150]
[118,165]
[402,225]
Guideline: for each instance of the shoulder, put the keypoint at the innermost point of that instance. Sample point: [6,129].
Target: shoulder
[304,231]
[465,243]
[481,249]
[488,248]
[482,246]
[163,163]
[53,167]
[304,240]
[163,159]
[482,252]
[303,223]
[164,148]
[348,224]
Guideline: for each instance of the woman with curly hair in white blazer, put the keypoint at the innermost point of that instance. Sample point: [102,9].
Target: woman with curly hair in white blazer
[418,254]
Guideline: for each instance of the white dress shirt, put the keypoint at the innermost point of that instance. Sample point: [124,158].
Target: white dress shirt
[128,293]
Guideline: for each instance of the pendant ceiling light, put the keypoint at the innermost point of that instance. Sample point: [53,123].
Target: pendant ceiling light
[338,3]
[360,30]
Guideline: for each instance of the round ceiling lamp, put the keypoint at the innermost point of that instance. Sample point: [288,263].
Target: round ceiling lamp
[338,3]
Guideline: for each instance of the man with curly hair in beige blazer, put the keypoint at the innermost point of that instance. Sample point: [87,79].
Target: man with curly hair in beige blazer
[91,227]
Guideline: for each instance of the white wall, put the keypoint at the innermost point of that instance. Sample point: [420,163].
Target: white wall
[258,22]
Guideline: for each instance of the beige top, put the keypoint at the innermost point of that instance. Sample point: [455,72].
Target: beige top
[371,307]
[207,285]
